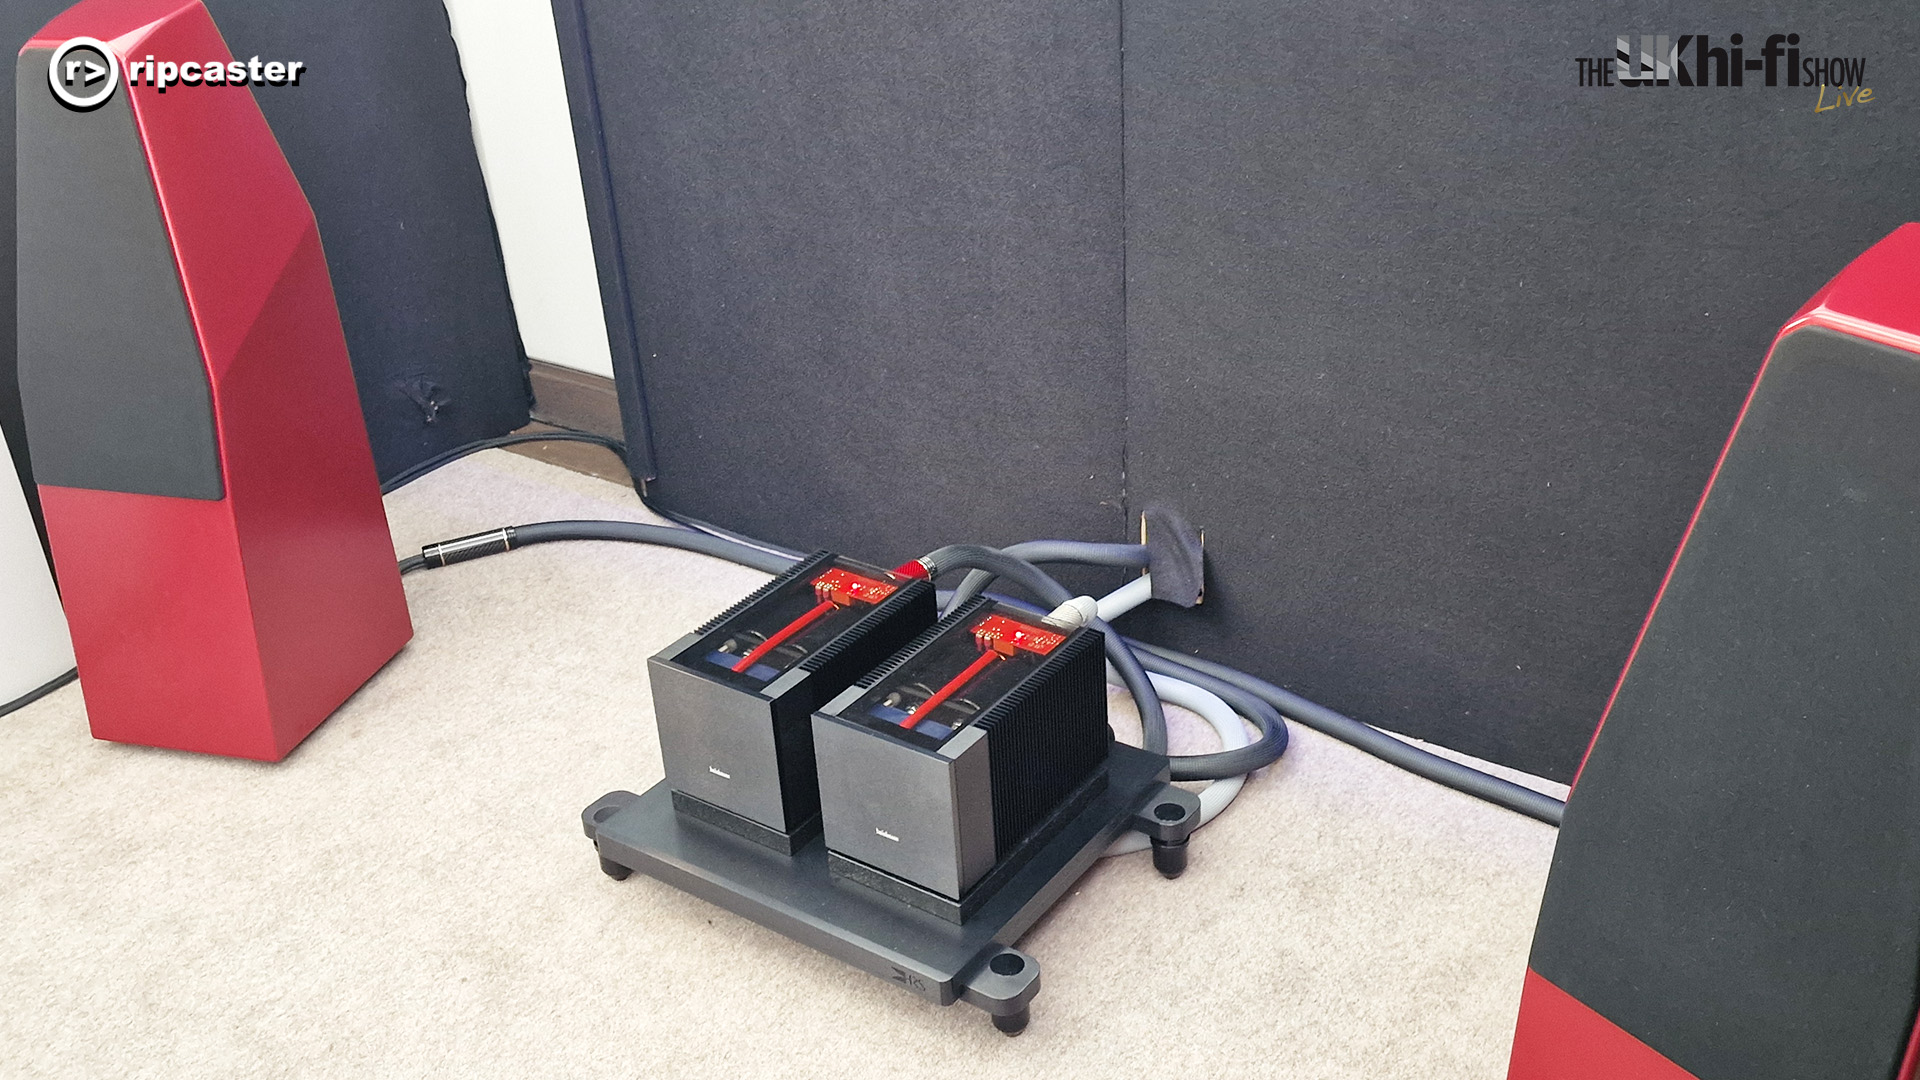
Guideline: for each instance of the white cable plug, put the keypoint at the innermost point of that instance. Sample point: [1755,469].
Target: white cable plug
[1076,612]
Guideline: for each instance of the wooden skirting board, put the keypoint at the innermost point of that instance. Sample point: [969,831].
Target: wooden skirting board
[569,400]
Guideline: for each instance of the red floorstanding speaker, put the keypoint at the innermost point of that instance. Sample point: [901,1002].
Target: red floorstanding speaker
[209,492]
[1736,890]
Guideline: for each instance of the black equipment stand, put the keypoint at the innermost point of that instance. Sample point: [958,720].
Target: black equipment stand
[972,961]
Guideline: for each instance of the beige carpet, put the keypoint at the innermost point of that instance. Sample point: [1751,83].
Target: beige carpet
[409,894]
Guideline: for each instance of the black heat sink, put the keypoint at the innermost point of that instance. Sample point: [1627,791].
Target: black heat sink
[1047,736]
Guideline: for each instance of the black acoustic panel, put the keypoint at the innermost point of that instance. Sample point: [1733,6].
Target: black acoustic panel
[872,251]
[1737,883]
[1440,346]
[98,288]
[379,136]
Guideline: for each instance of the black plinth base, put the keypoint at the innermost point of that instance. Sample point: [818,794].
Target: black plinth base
[798,896]
[766,836]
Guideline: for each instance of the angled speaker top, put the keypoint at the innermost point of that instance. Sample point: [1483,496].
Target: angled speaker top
[1877,296]
[154,222]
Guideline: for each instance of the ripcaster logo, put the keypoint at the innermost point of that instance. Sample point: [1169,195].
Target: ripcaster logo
[84,72]
[888,835]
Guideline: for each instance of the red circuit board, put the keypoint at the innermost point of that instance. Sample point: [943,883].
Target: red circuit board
[843,587]
[1003,635]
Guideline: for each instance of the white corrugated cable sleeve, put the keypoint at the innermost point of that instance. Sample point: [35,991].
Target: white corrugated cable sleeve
[1227,723]
[1126,598]
[1233,735]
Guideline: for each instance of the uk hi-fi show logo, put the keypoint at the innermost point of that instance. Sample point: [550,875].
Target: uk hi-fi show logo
[1781,60]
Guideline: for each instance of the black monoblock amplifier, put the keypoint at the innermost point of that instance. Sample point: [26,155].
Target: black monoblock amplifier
[732,699]
[938,769]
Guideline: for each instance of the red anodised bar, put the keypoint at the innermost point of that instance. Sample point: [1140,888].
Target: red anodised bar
[997,636]
[836,588]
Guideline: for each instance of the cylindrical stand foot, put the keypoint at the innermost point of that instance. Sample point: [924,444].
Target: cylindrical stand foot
[1013,1023]
[1170,857]
[613,869]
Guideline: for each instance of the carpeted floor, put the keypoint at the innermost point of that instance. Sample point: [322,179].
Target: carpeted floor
[409,894]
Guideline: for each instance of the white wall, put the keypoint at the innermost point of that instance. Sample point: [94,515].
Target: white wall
[525,138]
[33,632]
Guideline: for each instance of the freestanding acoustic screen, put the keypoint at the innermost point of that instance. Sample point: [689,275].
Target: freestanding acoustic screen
[209,493]
[1736,890]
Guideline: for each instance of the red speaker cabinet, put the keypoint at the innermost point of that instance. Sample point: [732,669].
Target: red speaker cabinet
[209,492]
[1736,890]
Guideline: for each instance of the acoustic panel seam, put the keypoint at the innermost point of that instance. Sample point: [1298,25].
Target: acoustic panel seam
[605,230]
